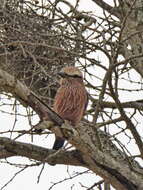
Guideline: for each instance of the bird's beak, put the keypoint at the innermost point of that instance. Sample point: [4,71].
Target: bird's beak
[62,74]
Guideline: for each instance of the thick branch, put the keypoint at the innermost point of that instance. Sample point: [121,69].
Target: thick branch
[13,148]
[103,157]
[137,104]
[113,165]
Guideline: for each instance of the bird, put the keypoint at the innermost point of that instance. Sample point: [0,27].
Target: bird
[71,99]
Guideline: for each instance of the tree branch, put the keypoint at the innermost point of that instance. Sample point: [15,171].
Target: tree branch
[15,148]
[137,104]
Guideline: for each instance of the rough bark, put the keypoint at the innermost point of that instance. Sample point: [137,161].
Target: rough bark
[14,148]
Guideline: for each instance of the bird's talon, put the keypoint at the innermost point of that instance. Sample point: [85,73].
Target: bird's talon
[69,129]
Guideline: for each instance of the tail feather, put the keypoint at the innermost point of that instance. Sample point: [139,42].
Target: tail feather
[59,142]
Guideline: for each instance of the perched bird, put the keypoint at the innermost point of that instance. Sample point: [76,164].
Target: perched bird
[71,99]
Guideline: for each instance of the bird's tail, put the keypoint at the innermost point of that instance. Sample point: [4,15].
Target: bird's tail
[59,142]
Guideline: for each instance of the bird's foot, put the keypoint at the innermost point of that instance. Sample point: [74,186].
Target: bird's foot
[68,129]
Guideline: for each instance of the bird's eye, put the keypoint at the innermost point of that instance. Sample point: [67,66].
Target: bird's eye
[76,76]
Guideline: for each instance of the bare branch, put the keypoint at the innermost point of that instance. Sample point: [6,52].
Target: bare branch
[13,148]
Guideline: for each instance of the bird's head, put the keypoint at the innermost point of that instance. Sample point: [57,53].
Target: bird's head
[70,72]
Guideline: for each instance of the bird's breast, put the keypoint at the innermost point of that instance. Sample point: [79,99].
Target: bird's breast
[70,103]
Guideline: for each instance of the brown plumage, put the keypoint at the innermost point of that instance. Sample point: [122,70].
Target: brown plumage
[71,99]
